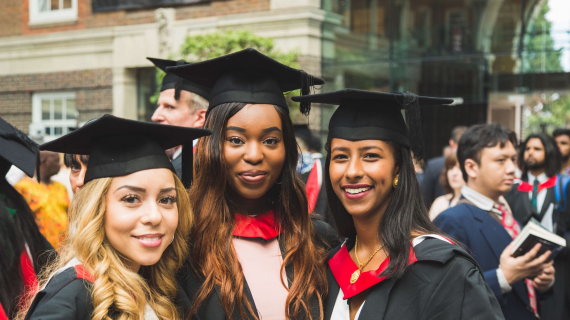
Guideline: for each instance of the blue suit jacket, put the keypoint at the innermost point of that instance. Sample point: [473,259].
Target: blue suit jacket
[486,239]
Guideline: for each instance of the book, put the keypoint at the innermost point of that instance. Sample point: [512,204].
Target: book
[534,233]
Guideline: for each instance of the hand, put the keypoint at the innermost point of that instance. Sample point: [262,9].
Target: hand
[544,280]
[525,266]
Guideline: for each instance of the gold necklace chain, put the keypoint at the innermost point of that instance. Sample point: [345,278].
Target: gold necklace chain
[362,265]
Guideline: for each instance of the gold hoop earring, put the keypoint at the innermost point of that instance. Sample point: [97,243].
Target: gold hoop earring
[395,182]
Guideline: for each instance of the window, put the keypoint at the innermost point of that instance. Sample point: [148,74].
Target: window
[52,11]
[53,114]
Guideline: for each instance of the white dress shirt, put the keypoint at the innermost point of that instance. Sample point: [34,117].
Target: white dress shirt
[547,219]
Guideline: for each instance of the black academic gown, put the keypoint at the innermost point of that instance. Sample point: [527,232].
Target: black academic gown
[66,296]
[212,309]
[554,306]
[322,205]
[444,283]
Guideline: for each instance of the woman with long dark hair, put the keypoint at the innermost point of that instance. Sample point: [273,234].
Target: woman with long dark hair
[395,264]
[24,251]
[255,253]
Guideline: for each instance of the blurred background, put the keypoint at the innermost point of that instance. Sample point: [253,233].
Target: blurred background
[63,62]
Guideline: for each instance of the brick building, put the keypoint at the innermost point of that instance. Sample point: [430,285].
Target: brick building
[63,62]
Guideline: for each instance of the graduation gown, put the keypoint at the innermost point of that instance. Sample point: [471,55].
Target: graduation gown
[212,309]
[67,296]
[444,283]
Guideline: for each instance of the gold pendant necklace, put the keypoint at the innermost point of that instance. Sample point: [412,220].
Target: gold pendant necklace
[356,274]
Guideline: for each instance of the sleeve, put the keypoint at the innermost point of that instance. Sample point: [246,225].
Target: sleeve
[463,294]
[72,302]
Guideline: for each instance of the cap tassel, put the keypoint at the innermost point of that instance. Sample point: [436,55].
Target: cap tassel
[307,82]
[187,164]
[414,122]
[179,82]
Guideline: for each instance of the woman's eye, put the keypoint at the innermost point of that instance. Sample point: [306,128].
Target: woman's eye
[271,141]
[340,157]
[75,168]
[235,140]
[371,156]
[131,199]
[169,200]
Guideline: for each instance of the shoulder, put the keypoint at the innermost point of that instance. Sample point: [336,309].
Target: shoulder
[23,184]
[458,212]
[66,296]
[446,256]
[435,162]
[325,233]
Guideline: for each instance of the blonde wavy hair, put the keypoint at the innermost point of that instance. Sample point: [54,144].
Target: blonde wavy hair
[116,289]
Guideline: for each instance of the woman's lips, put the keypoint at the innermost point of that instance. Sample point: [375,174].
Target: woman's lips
[149,240]
[253,177]
[356,191]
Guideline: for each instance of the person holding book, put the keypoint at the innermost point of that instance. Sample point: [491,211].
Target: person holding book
[535,197]
[484,223]
[395,263]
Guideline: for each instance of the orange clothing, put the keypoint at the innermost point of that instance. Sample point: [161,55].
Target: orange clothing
[49,204]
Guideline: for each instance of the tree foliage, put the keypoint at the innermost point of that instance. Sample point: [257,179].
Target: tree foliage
[212,45]
[552,113]
[540,54]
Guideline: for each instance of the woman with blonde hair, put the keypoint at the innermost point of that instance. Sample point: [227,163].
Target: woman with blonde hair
[128,226]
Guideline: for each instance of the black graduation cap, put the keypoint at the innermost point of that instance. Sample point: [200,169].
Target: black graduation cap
[363,115]
[17,148]
[248,76]
[171,81]
[117,147]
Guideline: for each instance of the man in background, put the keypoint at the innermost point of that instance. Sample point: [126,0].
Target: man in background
[47,199]
[484,223]
[431,188]
[181,103]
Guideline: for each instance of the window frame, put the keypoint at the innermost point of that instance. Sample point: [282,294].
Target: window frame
[50,17]
[52,123]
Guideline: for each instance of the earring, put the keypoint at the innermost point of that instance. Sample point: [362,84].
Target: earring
[171,241]
[395,182]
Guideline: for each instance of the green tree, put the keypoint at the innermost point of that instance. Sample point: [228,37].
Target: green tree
[212,45]
[553,113]
[540,55]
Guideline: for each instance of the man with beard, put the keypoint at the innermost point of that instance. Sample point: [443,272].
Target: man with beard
[534,197]
[562,137]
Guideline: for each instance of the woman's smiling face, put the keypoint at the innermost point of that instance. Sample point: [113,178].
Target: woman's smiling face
[141,215]
[361,174]
[254,150]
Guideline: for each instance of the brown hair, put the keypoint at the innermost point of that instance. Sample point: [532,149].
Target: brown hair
[212,254]
[449,163]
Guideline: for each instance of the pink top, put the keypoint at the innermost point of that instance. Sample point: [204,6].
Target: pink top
[261,264]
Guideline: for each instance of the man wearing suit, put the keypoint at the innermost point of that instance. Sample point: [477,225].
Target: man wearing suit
[431,188]
[535,197]
[483,222]
[181,103]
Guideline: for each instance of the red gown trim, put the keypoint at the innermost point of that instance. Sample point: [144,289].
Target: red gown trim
[527,187]
[28,274]
[3,315]
[343,267]
[83,274]
[313,186]
[261,226]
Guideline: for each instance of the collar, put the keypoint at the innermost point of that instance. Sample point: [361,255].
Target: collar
[544,183]
[342,268]
[482,202]
[261,226]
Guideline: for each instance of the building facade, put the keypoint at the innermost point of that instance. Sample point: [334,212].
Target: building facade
[63,62]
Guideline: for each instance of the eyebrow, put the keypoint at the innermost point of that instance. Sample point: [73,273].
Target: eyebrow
[271,129]
[167,190]
[238,129]
[131,188]
[361,149]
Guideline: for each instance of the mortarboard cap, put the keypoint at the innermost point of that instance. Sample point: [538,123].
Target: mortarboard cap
[17,148]
[248,76]
[171,81]
[364,115]
[118,147]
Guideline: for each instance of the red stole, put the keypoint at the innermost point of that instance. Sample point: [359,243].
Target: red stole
[527,187]
[314,183]
[261,226]
[82,274]
[343,267]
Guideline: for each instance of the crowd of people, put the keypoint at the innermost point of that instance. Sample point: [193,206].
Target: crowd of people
[221,208]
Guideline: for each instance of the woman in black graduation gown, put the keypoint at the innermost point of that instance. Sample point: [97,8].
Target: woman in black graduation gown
[395,264]
[128,226]
[255,252]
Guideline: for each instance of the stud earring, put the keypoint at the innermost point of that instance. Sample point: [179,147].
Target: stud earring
[395,182]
